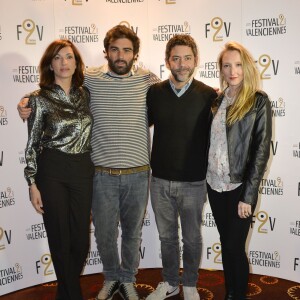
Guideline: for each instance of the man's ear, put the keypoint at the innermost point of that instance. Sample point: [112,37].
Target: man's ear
[167,64]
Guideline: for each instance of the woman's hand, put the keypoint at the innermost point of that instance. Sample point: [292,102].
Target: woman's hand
[35,198]
[244,210]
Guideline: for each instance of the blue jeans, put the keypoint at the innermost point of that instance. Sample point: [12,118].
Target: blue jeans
[171,199]
[119,198]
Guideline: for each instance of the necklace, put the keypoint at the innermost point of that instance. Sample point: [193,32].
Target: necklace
[228,99]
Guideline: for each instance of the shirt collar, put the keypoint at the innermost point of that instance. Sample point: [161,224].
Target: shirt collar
[183,89]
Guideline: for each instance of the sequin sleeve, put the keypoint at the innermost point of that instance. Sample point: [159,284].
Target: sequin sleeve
[35,126]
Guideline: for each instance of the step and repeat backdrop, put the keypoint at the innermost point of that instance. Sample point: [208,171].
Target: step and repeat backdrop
[269,29]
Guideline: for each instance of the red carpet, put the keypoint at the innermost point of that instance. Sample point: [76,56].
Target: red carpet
[210,286]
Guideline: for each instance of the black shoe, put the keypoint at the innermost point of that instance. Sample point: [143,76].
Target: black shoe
[128,291]
[229,296]
[108,290]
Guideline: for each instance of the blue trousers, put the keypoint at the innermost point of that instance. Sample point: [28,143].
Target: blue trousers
[170,200]
[119,199]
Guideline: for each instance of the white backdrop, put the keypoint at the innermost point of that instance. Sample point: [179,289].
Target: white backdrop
[269,28]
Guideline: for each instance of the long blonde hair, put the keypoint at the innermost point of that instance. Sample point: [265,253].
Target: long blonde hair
[245,97]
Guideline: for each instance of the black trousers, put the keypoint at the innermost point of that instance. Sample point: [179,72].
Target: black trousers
[65,183]
[233,235]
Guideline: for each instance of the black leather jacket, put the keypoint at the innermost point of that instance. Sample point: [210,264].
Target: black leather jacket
[249,146]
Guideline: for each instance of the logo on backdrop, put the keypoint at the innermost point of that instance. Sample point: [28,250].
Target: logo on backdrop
[267,26]
[295,228]
[22,159]
[278,108]
[80,34]
[162,33]
[93,258]
[264,259]
[124,1]
[274,146]
[5,238]
[296,263]
[26,74]
[36,232]
[30,32]
[77,2]
[296,150]
[271,187]
[209,70]
[1,158]
[168,1]
[3,116]
[142,251]
[7,198]
[45,264]
[218,29]
[11,274]
[0,34]
[127,24]
[269,66]
[297,67]
[214,252]
[266,223]
[146,221]
[208,220]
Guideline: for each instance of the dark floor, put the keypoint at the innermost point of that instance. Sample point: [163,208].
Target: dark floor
[210,286]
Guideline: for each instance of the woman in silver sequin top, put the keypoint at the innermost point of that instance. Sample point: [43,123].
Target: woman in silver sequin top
[59,170]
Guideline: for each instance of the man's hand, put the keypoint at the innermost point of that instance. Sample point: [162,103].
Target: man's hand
[24,112]
[218,91]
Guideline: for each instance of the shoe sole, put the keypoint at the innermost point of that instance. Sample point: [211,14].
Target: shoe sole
[174,293]
[110,297]
[123,297]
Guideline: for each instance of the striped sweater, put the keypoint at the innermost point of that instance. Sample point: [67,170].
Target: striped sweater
[120,135]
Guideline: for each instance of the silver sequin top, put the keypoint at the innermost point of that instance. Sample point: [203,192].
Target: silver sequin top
[58,121]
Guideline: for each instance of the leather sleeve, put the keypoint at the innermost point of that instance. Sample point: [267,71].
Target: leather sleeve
[260,149]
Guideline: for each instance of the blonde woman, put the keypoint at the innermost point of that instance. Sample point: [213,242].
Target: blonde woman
[239,150]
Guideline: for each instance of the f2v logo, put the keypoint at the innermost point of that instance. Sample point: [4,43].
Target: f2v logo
[218,24]
[5,235]
[30,27]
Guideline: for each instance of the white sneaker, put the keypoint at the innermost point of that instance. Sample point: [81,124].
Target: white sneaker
[163,291]
[128,291]
[190,293]
[108,290]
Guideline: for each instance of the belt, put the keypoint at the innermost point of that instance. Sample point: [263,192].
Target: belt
[123,171]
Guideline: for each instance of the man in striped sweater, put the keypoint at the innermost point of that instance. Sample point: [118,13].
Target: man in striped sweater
[120,143]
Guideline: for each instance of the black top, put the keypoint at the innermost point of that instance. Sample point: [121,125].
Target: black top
[181,130]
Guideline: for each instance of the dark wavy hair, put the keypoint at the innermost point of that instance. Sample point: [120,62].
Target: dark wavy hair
[47,76]
[180,40]
[119,32]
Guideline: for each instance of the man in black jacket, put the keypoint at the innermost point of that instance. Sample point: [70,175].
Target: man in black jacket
[179,108]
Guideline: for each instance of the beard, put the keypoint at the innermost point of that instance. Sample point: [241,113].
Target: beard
[120,69]
[182,77]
